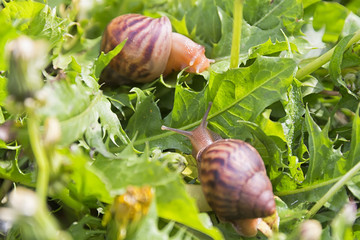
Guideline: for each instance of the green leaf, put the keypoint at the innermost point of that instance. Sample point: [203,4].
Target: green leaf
[7,33]
[105,58]
[194,17]
[172,201]
[336,61]
[46,25]
[21,13]
[268,15]
[77,112]
[86,228]
[307,3]
[271,128]
[179,25]
[235,95]
[324,16]
[222,47]
[351,59]
[35,19]
[184,110]
[310,85]
[94,138]
[262,23]
[87,184]
[354,153]
[148,227]
[147,115]
[354,186]
[9,169]
[269,48]
[325,161]
[74,111]
[239,93]
[3,91]
[272,154]
[352,24]
[109,121]
[292,125]
[250,36]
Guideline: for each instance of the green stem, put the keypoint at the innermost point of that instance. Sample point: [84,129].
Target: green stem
[5,187]
[306,189]
[333,190]
[65,197]
[236,37]
[43,175]
[318,62]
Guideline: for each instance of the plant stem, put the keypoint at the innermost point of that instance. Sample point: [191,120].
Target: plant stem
[333,190]
[42,180]
[65,197]
[318,62]
[236,37]
[5,187]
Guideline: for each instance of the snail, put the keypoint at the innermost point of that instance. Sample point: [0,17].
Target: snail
[233,178]
[151,49]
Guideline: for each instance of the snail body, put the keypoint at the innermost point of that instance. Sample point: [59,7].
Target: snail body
[233,179]
[151,49]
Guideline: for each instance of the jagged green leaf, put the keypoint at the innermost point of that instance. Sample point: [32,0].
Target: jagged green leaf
[147,115]
[80,230]
[259,26]
[9,169]
[35,19]
[109,121]
[87,184]
[293,125]
[23,11]
[239,93]
[269,48]
[105,58]
[77,112]
[267,15]
[172,201]
[325,162]
[94,138]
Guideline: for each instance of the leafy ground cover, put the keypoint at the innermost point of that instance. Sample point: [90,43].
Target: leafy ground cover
[72,150]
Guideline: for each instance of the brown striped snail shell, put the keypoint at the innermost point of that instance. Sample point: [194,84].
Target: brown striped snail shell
[233,178]
[151,49]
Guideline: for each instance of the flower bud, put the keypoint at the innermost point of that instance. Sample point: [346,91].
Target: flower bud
[26,60]
[24,201]
[52,132]
[127,210]
[310,230]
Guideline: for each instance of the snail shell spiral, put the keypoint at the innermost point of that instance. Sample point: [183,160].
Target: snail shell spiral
[151,49]
[234,180]
[146,52]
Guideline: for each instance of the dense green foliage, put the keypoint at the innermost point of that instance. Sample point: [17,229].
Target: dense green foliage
[77,144]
